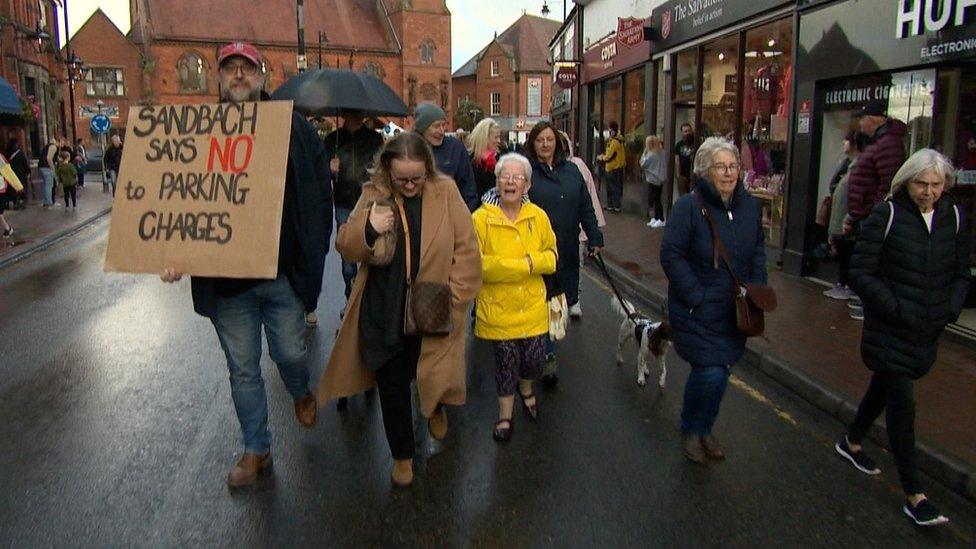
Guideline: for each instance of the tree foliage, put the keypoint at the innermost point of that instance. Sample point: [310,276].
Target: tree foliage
[467,115]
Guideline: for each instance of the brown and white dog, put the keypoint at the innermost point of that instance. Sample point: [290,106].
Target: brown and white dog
[651,338]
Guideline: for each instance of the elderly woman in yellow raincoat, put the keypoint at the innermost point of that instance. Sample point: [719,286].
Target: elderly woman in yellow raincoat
[518,246]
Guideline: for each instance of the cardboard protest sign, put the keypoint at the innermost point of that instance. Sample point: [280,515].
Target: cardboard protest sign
[200,190]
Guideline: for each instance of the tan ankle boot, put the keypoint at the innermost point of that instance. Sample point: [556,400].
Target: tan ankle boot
[402,472]
[247,469]
[438,424]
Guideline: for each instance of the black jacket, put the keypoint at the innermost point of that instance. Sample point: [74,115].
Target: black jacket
[113,158]
[913,283]
[356,153]
[309,192]
[701,310]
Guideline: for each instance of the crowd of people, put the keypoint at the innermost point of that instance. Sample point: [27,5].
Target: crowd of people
[428,228]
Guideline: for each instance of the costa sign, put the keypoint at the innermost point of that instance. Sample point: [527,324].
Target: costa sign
[567,77]
[630,31]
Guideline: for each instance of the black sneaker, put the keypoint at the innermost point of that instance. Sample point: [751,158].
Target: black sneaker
[925,514]
[859,459]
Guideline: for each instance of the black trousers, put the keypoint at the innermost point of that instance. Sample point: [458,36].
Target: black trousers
[894,394]
[393,382]
[72,194]
[845,250]
[615,188]
[654,201]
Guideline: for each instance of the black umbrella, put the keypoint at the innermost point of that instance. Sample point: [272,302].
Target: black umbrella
[324,92]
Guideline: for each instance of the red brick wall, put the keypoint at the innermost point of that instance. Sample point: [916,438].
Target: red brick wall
[504,83]
[428,19]
[100,44]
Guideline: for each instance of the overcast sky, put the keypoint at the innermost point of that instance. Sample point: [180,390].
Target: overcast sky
[473,22]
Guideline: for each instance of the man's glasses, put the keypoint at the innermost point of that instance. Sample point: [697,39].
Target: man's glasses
[230,68]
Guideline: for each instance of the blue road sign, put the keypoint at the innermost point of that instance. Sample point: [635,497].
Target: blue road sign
[101,123]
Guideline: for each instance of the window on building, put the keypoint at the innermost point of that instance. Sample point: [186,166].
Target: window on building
[427,52]
[193,71]
[494,67]
[496,103]
[104,81]
[373,68]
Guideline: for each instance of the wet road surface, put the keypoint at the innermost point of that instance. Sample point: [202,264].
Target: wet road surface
[118,429]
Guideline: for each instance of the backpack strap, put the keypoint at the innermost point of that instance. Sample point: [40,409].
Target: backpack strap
[891,219]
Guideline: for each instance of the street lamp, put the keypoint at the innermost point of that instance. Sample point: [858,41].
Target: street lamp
[323,39]
[76,71]
[546,11]
[302,61]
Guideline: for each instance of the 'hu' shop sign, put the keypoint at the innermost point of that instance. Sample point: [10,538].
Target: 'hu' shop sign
[201,189]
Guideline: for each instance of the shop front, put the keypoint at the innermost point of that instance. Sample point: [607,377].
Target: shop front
[615,73]
[725,68]
[919,58]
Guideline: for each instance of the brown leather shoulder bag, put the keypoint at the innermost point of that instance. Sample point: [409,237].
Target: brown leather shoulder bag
[752,301]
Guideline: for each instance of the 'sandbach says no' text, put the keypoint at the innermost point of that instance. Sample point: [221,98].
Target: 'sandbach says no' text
[230,128]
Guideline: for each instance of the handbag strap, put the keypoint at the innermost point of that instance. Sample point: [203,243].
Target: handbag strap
[406,238]
[719,250]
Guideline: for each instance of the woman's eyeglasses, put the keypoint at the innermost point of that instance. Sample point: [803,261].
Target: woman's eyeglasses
[516,178]
[404,180]
[730,168]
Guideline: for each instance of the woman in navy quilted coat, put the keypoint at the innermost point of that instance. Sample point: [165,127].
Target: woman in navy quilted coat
[911,268]
[701,309]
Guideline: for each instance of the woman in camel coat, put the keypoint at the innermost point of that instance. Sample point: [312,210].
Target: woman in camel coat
[371,347]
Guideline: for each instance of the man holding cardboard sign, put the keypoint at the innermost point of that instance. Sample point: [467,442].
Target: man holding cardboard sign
[238,307]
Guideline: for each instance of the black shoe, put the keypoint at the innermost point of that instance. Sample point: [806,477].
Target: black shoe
[548,381]
[925,514]
[859,459]
[503,434]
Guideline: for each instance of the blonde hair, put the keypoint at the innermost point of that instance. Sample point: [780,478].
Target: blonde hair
[478,140]
[924,159]
[654,141]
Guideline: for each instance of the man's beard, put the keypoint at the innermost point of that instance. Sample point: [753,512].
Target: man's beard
[239,95]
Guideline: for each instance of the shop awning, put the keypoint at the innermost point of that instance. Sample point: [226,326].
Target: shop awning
[9,102]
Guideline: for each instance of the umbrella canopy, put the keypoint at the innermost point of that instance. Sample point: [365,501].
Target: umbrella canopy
[324,92]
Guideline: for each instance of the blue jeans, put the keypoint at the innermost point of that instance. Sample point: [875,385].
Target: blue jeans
[703,396]
[238,322]
[47,175]
[111,178]
[349,270]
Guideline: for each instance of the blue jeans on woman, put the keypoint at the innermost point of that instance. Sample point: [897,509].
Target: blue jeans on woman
[238,322]
[47,176]
[703,395]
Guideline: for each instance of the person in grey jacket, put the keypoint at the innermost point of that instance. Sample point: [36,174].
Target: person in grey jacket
[655,172]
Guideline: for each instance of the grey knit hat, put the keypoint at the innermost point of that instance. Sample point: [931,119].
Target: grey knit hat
[426,114]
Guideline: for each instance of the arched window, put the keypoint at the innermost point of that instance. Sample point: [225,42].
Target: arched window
[427,48]
[193,70]
[373,68]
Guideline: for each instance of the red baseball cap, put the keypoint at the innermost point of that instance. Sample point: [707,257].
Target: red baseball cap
[242,49]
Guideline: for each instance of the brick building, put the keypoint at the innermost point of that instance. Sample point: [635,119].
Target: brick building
[30,64]
[169,54]
[510,78]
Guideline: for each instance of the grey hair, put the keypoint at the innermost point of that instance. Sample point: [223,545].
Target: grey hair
[517,158]
[924,159]
[706,152]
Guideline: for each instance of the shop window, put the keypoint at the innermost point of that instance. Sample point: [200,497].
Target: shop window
[687,77]
[193,71]
[633,123]
[660,98]
[496,103]
[720,60]
[104,82]
[765,120]
[427,48]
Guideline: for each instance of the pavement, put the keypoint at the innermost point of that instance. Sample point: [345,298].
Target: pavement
[813,349]
[36,227]
[117,429]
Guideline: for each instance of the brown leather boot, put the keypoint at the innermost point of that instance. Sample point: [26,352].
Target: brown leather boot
[692,449]
[438,424]
[712,448]
[402,472]
[247,469]
[306,410]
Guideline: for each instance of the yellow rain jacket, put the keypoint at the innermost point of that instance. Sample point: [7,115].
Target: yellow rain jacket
[614,156]
[512,302]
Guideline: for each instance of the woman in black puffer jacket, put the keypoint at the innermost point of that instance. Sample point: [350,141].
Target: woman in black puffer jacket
[911,269]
